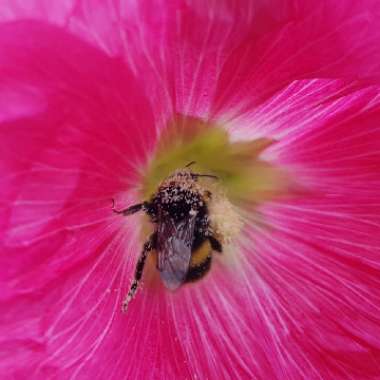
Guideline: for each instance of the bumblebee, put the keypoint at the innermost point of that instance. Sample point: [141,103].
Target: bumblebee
[182,234]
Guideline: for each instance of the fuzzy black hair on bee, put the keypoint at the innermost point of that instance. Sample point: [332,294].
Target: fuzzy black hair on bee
[182,235]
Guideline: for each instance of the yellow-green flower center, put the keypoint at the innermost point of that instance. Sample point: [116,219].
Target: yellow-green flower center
[244,177]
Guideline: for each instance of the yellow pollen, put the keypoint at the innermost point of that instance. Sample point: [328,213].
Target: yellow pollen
[225,219]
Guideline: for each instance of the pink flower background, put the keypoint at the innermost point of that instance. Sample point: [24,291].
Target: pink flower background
[86,87]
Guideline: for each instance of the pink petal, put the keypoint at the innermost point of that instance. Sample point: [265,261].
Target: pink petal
[65,154]
[79,123]
[55,12]
[319,258]
[265,45]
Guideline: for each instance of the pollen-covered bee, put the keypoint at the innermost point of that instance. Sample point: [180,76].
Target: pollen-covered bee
[182,234]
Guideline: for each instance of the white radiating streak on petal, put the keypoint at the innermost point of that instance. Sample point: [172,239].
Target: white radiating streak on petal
[75,329]
[268,119]
[189,108]
[327,148]
[70,297]
[337,106]
[13,234]
[338,212]
[326,272]
[293,262]
[86,331]
[209,327]
[124,8]
[301,107]
[271,330]
[141,339]
[262,297]
[106,330]
[150,64]
[241,327]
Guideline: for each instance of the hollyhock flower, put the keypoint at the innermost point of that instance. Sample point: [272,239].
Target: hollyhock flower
[104,99]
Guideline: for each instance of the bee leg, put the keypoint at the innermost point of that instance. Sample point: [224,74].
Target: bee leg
[215,244]
[129,210]
[148,246]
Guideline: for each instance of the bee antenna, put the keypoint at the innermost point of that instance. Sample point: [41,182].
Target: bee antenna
[190,163]
[197,175]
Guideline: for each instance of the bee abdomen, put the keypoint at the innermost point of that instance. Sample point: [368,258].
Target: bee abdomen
[200,262]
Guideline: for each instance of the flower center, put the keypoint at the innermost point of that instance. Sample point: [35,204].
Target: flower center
[242,176]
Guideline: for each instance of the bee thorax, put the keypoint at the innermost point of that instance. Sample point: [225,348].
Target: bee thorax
[178,197]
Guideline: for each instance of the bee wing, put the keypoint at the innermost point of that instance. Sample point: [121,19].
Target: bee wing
[174,250]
